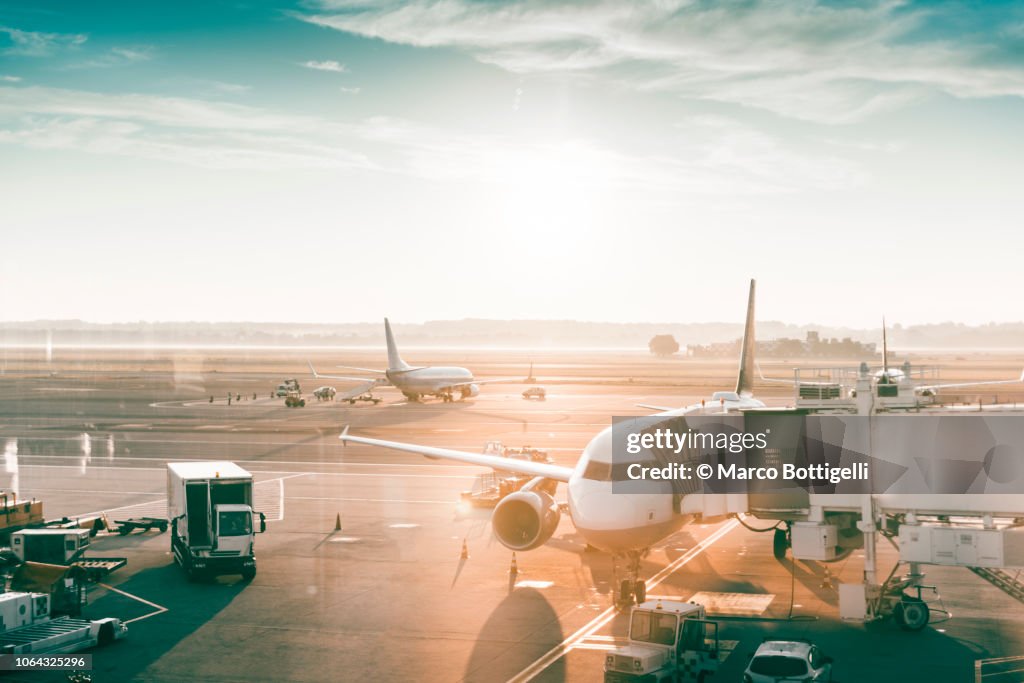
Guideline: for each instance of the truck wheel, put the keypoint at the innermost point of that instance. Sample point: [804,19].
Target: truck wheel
[124,529]
[640,591]
[911,614]
[780,543]
[162,527]
[106,634]
[249,573]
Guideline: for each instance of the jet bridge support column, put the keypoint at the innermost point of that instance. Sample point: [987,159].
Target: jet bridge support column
[869,529]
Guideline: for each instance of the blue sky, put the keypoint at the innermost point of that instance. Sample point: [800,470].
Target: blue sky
[340,160]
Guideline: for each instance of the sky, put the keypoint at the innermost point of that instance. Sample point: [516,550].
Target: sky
[339,160]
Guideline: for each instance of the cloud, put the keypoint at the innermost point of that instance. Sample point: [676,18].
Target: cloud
[328,65]
[827,62]
[37,44]
[118,56]
[11,79]
[183,130]
[716,156]
[350,91]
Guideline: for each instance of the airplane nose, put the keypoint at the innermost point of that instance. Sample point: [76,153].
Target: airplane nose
[602,509]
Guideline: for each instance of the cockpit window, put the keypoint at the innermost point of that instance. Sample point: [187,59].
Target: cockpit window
[619,471]
[598,471]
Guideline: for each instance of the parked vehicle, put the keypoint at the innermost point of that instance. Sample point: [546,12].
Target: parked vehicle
[212,529]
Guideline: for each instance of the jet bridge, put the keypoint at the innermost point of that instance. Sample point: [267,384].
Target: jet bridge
[979,526]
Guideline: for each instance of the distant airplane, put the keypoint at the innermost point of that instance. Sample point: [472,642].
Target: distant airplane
[417,382]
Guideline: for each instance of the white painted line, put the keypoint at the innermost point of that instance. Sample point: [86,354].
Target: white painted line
[573,641]
[378,500]
[163,501]
[263,481]
[158,608]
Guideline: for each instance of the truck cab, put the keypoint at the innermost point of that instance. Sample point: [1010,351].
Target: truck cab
[670,641]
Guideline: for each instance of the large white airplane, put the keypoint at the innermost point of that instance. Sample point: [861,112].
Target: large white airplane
[416,382]
[623,524]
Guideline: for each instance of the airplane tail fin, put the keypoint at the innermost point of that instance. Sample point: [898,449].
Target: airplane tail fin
[395,361]
[745,377]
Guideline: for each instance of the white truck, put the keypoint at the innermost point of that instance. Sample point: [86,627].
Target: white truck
[212,521]
[670,641]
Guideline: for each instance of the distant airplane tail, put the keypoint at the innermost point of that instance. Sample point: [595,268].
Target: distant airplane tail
[395,361]
[745,377]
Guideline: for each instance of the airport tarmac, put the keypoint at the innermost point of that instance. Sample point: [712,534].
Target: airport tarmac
[387,597]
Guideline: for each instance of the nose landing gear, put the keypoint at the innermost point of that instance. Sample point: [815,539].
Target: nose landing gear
[632,590]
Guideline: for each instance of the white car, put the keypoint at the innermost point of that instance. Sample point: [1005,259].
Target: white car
[788,661]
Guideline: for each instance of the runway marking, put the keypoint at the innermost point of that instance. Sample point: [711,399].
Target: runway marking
[99,465]
[573,641]
[119,492]
[377,500]
[324,474]
[159,609]
[158,508]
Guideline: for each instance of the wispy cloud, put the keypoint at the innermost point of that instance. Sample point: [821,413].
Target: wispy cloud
[190,131]
[38,44]
[118,56]
[828,62]
[11,79]
[704,155]
[350,91]
[327,65]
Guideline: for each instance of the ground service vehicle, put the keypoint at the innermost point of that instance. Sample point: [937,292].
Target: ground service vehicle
[289,386]
[325,393]
[52,546]
[27,628]
[535,393]
[670,641]
[294,400]
[788,660]
[212,530]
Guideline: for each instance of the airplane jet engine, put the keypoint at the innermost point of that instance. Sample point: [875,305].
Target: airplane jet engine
[525,520]
[470,390]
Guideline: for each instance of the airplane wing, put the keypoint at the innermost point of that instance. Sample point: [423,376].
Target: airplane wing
[790,382]
[373,383]
[528,467]
[373,370]
[934,387]
[660,409]
[357,391]
[507,380]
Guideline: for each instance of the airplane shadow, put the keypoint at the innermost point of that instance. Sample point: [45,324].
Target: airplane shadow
[522,628]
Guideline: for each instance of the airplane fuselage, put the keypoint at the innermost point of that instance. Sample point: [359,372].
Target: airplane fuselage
[432,381]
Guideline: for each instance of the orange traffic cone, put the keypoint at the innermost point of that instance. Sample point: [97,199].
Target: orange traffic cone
[513,569]
[337,522]
[826,580]
[465,551]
